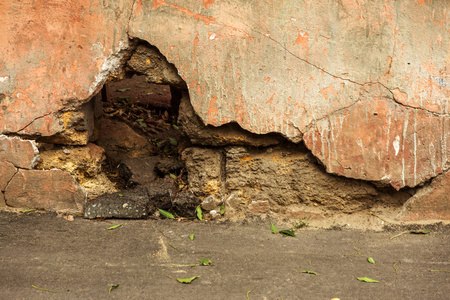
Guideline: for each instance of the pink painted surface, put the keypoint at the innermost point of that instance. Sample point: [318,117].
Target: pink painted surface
[54,53]
[319,70]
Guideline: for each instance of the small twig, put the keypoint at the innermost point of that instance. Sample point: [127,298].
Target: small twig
[42,289]
[359,253]
[396,272]
[397,235]
[168,243]
[371,213]
[191,265]
[170,277]
[446,271]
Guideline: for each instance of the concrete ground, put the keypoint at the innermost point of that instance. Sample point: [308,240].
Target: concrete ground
[81,259]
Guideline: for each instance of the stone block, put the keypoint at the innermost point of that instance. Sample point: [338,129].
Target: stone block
[139,170]
[430,203]
[45,189]
[285,176]
[21,153]
[205,169]
[211,203]
[121,141]
[129,204]
[7,171]
[78,161]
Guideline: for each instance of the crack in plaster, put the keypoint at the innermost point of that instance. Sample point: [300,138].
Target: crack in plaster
[345,79]
[37,118]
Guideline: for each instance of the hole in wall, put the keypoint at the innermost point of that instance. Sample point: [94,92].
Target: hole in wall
[137,127]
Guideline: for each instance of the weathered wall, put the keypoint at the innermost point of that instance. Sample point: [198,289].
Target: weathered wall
[360,81]
[363,83]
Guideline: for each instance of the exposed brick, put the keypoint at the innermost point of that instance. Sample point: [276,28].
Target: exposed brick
[21,153]
[259,207]
[7,171]
[430,203]
[48,189]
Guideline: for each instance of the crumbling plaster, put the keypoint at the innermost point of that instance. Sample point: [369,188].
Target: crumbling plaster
[363,83]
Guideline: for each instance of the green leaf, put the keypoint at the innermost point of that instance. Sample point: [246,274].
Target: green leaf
[114,286]
[173,142]
[273,228]
[166,214]
[173,176]
[180,186]
[310,272]
[370,259]
[367,279]
[114,227]
[141,122]
[120,195]
[222,209]
[159,144]
[187,280]
[191,236]
[27,210]
[123,90]
[199,213]
[288,232]
[205,261]
[420,232]
[175,126]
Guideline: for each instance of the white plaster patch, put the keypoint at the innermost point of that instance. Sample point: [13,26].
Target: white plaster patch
[4,78]
[396,144]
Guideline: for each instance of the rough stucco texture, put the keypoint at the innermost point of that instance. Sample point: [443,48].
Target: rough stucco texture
[363,83]
[54,55]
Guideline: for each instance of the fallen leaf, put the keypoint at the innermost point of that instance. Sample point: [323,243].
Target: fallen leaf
[114,286]
[166,214]
[191,236]
[205,261]
[114,227]
[187,280]
[27,210]
[420,232]
[120,195]
[173,176]
[141,122]
[199,213]
[288,232]
[310,272]
[367,279]
[123,90]
[370,259]
[175,126]
[273,228]
[222,209]
[173,142]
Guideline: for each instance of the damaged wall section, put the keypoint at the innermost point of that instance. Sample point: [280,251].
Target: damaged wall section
[266,91]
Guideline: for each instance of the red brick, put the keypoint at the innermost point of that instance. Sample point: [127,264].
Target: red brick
[21,153]
[49,189]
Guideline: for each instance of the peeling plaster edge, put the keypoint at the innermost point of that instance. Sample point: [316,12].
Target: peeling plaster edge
[36,157]
[110,65]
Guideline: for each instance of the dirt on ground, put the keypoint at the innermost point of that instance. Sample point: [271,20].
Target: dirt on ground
[49,256]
